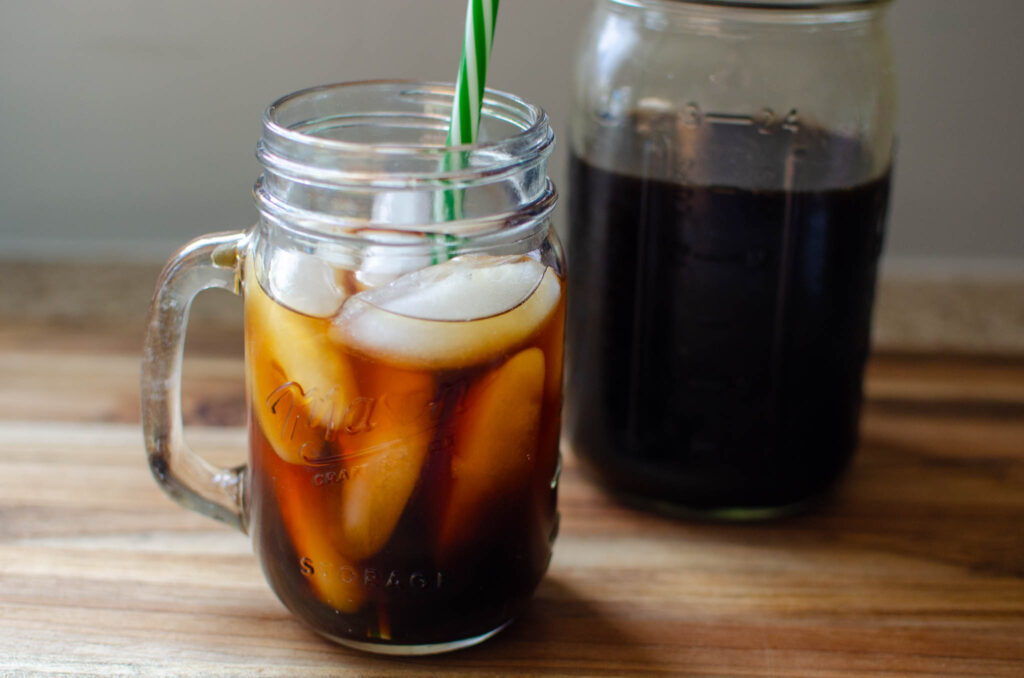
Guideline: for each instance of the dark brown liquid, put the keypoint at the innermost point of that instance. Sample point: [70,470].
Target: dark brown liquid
[373,519]
[718,335]
[410,596]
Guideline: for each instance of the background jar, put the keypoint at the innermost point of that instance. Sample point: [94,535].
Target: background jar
[729,185]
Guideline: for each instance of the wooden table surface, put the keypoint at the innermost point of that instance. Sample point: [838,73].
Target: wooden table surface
[914,568]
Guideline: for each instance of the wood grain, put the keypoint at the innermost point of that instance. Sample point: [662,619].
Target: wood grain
[915,567]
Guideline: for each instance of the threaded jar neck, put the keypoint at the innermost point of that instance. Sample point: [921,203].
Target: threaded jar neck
[365,156]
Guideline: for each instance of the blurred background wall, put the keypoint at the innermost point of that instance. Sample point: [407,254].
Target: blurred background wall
[128,126]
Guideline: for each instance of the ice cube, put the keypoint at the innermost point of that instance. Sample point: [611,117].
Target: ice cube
[495,441]
[308,519]
[300,381]
[305,283]
[383,463]
[466,311]
[403,208]
[380,264]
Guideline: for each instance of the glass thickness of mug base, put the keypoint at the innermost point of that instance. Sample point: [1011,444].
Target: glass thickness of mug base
[631,490]
[414,650]
[718,514]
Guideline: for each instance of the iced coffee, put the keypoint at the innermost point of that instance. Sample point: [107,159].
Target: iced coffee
[404,315]
[404,441]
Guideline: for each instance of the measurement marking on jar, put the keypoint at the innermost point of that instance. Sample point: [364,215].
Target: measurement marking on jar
[766,121]
[376,577]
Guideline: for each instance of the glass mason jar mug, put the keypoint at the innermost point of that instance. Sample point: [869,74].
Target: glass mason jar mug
[404,308]
[729,184]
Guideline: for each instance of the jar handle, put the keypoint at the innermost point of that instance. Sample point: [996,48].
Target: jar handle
[206,262]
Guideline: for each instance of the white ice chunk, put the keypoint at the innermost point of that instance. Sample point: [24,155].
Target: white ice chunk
[466,288]
[463,312]
[380,264]
[305,283]
[393,209]
[402,208]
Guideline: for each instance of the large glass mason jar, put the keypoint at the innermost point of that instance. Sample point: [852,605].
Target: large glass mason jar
[404,312]
[730,170]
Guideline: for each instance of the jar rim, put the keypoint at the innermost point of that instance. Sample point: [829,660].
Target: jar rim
[283,145]
[785,5]
[332,154]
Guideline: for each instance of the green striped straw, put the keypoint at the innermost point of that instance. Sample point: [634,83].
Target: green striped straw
[469,94]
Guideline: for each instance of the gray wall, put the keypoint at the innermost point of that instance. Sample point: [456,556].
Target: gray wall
[128,126]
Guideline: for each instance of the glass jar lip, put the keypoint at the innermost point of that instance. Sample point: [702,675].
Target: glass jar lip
[791,5]
[330,153]
[534,137]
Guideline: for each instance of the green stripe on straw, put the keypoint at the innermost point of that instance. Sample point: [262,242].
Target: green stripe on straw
[469,88]
[469,94]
